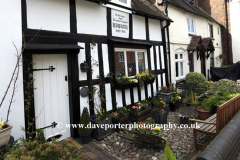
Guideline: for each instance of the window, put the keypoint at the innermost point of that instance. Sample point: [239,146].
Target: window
[134,62]
[210,30]
[123,1]
[179,65]
[191,25]
[121,57]
[212,60]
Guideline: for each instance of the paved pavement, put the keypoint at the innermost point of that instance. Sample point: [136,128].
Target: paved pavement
[93,152]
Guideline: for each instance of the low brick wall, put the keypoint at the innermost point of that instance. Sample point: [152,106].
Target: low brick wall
[226,145]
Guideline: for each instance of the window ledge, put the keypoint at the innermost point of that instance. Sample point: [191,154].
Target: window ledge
[192,34]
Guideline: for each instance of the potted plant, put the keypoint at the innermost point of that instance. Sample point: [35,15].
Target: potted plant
[203,110]
[120,116]
[166,93]
[140,111]
[159,115]
[175,102]
[85,131]
[5,131]
[124,82]
[146,77]
[190,99]
[101,118]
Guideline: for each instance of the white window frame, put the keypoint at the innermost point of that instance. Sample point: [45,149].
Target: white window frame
[193,23]
[178,63]
[125,50]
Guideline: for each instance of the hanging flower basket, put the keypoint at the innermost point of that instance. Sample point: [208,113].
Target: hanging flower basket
[137,116]
[100,133]
[5,135]
[150,81]
[121,86]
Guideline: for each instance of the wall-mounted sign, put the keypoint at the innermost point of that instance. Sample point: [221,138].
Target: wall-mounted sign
[120,24]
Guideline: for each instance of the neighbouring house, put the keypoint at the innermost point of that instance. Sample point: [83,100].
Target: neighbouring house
[220,10]
[82,46]
[195,39]
[235,32]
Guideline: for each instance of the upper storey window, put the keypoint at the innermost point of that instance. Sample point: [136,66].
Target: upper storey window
[193,3]
[191,25]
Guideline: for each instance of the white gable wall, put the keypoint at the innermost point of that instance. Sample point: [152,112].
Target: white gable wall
[179,38]
[11,32]
[51,15]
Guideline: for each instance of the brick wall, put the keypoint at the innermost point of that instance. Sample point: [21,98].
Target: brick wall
[216,8]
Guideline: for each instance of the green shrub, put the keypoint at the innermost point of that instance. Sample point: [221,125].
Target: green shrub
[85,120]
[44,151]
[168,155]
[194,78]
[222,87]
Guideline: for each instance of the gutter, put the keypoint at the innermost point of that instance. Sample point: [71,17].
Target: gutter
[226,13]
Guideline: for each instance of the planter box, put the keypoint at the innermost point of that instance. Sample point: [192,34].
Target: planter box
[173,107]
[100,133]
[166,108]
[135,116]
[166,96]
[122,86]
[149,81]
[5,135]
[159,118]
[123,120]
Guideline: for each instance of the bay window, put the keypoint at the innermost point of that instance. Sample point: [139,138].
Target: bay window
[129,62]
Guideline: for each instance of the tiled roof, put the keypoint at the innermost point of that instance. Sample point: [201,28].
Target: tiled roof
[207,42]
[195,41]
[149,8]
[183,4]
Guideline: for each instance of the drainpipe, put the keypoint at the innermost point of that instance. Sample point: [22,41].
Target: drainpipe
[165,48]
[226,13]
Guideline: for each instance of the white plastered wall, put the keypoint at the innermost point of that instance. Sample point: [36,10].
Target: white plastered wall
[235,23]
[179,38]
[51,15]
[139,28]
[91,18]
[11,32]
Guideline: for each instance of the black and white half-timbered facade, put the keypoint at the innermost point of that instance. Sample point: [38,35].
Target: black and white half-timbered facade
[111,37]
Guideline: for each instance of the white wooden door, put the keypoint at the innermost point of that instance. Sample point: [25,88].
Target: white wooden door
[51,94]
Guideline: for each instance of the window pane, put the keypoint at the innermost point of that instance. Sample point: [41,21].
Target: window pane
[181,56]
[119,64]
[176,56]
[131,65]
[141,62]
[181,68]
[177,74]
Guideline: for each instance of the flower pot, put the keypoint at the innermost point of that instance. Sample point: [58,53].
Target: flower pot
[85,139]
[174,106]
[136,116]
[99,133]
[123,120]
[5,135]
[166,108]
[189,104]
[203,115]
[166,96]
[159,118]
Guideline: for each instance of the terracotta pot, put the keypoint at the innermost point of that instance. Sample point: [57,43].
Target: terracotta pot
[203,115]
[5,135]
